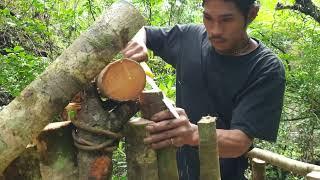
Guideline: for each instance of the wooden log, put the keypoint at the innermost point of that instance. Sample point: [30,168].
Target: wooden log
[141,160]
[45,97]
[283,162]
[258,169]
[122,80]
[314,175]
[96,135]
[151,103]
[208,149]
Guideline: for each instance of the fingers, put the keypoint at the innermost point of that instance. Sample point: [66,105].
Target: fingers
[167,124]
[166,114]
[135,51]
[174,141]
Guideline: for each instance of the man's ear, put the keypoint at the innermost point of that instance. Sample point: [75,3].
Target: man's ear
[253,12]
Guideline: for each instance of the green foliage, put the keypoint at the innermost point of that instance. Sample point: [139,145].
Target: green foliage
[18,69]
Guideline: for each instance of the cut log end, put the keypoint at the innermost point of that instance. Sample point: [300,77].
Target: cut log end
[122,80]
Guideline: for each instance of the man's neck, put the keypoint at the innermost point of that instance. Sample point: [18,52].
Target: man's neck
[245,47]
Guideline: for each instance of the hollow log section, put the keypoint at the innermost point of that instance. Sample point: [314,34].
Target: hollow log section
[208,149]
[97,134]
[283,162]
[258,169]
[122,80]
[150,104]
[142,161]
[25,117]
[51,157]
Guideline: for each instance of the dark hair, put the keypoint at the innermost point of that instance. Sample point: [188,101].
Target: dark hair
[243,5]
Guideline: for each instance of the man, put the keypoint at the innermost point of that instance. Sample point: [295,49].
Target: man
[222,72]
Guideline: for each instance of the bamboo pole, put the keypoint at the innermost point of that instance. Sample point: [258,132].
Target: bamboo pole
[208,149]
[314,175]
[150,104]
[258,169]
[45,97]
[141,160]
[283,162]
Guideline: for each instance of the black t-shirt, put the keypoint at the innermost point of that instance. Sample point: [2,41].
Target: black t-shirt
[244,92]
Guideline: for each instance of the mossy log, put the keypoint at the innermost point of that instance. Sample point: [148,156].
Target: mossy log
[294,166]
[208,149]
[150,104]
[141,160]
[25,117]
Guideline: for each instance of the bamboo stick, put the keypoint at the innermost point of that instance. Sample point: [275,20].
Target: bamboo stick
[258,169]
[208,149]
[141,160]
[314,175]
[283,162]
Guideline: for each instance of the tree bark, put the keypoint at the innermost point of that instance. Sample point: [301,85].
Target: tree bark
[151,103]
[283,162]
[141,160]
[208,149]
[96,134]
[25,117]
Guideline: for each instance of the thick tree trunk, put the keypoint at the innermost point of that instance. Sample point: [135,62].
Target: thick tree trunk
[151,103]
[25,117]
[96,134]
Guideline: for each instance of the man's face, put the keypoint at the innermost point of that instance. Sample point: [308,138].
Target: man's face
[225,25]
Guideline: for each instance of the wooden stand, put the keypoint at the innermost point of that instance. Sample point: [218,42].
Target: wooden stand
[26,116]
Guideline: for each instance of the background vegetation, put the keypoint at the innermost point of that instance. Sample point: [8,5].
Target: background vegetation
[33,33]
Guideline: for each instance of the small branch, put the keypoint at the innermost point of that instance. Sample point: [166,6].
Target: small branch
[297,119]
[91,10]
[306,7]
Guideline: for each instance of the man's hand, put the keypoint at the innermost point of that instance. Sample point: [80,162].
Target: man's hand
[168,131]
[136,49]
